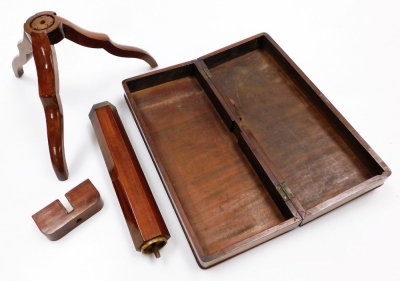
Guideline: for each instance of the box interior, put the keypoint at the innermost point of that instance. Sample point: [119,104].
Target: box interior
[247,147]
[222,197]
[307,148]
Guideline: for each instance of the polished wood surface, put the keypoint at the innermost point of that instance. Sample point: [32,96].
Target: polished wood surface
[55,222]
[48,82]
[247,146]
[146,225]
[90,39]
[41,32]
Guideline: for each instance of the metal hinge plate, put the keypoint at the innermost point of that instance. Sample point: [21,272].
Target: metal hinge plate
[284,191]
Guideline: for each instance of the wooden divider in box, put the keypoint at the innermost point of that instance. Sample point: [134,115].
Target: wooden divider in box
[247,147]
[306,142]
[223,205]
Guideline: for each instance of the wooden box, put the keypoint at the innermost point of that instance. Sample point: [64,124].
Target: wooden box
[247,147]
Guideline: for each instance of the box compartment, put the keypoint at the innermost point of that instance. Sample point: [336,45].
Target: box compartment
[224,206]
[247,147]
[307,142]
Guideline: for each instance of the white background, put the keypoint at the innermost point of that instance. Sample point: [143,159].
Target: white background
[349,49]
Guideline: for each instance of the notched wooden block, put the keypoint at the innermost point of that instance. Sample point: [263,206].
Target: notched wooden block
[55,221]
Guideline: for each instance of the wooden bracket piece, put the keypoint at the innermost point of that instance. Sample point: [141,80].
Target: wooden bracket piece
[54,221]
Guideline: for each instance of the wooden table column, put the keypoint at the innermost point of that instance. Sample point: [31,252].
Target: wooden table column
[146,225]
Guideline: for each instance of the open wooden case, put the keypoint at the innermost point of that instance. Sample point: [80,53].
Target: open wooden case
[247,147]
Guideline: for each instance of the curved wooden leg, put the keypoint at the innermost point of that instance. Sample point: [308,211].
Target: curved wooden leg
[47,72]
[98,40]
[47,29]
[25,54]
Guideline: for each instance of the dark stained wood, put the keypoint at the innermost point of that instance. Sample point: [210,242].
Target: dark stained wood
[221,199]
[246,145]
[146,225]
[308,142]
[54,221]
[315,161]
[41,32]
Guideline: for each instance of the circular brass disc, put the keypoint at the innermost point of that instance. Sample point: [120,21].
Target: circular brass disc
[159,241]
[42,22]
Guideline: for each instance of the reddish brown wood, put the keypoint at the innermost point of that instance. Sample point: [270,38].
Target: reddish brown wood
[54,221]
[47,71]
[146,225]
[302,137]
[98,40]
[224,206]
[41,32]
[247,147]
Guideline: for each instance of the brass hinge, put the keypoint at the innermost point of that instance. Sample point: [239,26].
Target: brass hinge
[284,191]
[207,72]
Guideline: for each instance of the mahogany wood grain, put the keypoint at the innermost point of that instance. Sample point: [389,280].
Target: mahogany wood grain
[24,55]
[90,39]
[55,222]
[221,200]
[242,131]
[48,82]
[146,225]
[309,144]
[41,32]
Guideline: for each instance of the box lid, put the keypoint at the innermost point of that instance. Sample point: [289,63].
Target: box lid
[309,146]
